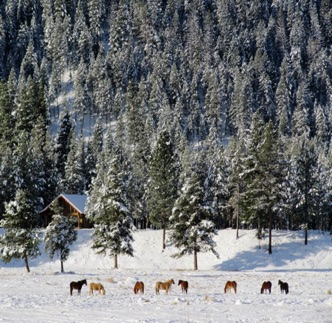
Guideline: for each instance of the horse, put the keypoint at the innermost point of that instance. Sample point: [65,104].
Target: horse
[139,287]
[97,286]
[77,285]
[283,287]
[184,285]
[230,285]
[266,286]
[166,285]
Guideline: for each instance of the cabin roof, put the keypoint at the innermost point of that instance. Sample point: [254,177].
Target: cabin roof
[77,201]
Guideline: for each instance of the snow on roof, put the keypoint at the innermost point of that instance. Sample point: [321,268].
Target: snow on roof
[78,201]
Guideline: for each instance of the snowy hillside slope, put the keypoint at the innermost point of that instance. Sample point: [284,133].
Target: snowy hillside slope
[243,254]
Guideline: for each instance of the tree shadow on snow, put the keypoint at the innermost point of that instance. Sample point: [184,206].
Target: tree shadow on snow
[284,254]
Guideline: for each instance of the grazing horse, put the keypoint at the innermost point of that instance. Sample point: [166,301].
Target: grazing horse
[166,286]
[230,285]
[139,287]
[77,285]
[283,287]
[266,286]
[97,286]
[184,285]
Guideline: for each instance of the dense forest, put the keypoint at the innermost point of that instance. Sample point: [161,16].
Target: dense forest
[174,113]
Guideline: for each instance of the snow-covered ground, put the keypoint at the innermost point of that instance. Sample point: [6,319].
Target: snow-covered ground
[43,294]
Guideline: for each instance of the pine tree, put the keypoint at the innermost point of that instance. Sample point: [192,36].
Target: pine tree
[261,174]
[7,177]
[93,151]
[59,235]
[306,183]
[235,151]
[61,149]
[109,211]
[73,181]
[6,118]
[162,183]
[21,237]
[192,227]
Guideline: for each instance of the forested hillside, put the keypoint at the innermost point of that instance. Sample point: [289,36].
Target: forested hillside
[196,113]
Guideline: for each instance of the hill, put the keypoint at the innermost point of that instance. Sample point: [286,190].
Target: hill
[243,254]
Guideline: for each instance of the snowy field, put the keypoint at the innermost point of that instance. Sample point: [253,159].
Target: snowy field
[43,294]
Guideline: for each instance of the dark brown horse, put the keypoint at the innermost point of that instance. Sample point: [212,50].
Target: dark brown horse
[283,287]
[266,286]
[139,287]
[230,285]
[77,285]
[184,285]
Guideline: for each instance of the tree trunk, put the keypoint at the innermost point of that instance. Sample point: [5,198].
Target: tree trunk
[195,260]
[26,263]
[62,266]
[306,234]
[164,236]
[116,261]
[237,212]
[270,231]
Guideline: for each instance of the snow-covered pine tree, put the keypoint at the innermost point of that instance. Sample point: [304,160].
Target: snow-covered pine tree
[162,185]
[191,223]
[306,183]
[59,235]
[73,181]
[62,145]
[235,152]
[109,211]
[21,238]
[261,175]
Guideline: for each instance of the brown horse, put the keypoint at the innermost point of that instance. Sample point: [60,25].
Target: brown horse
[77,285]
[283,287]
[97,286]
[139,287]
[165,286]
[266,286]
[230,285]
[184,285]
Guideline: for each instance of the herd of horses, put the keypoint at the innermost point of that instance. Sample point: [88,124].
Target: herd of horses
[266,287]
[139,287]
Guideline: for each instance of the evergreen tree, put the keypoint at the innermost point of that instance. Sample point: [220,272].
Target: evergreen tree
[93,151]
[192,227]
[7,177]
[21,237]
[306,183]
[59,235]
[62,145]
[262,173]
[110,212]
[162,185]
[6,117]
[73,181]
[236,152]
